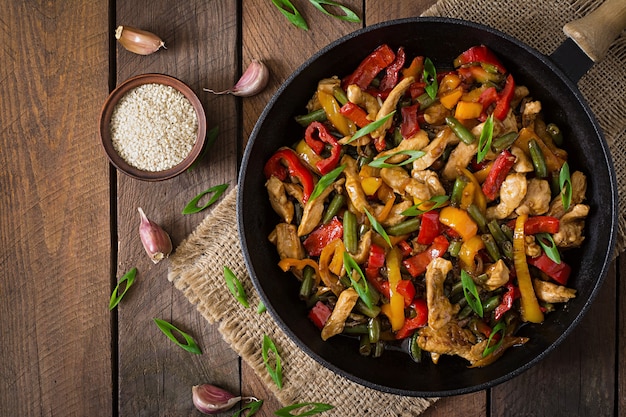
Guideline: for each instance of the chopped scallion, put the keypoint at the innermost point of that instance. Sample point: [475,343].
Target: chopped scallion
[378,228]
[235,287]
[426,206]
[471,293]
[127,280]
[486,136]
[381,162]
[276,371]
[430,76]
[306,409]
[192,206]
[325,181]
[168,329]
[366,130]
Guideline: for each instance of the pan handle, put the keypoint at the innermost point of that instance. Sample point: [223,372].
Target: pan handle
[595,32]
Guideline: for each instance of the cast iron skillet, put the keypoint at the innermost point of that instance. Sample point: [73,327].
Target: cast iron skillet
[442,40]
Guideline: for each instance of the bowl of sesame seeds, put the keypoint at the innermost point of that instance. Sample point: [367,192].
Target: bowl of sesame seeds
[152,127]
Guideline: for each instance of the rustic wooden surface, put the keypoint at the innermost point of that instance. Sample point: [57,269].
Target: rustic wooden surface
[69,221]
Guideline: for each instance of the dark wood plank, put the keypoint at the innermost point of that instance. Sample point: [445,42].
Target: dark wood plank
[155,375]
[54,204]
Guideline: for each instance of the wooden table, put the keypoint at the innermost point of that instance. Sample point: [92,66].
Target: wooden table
[69,220]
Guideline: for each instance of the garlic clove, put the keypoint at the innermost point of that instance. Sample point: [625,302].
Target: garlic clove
[253,81]
[155,240]
[210,399]
[138,41]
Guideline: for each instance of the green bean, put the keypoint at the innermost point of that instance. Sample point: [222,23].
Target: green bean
[318,115]
[539,161]
[360,328]
[298,212]
[477,216]
[308,282]
[340,95]
[507,249]
[460,131]
[508,232]
[379,348]
[397,137]
[365,347]
[457,288]
[405,227]
[425,101]
[491,246]
[491,304]
[465,312]
[555,133]
[350,239]
[457,190]
[454,248]
[363,160]
[415,351]
[360,307]
[496,231]
[503,142]
[373,325]
[333,208]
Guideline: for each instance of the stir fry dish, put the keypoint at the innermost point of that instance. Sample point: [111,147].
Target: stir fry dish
[427,209]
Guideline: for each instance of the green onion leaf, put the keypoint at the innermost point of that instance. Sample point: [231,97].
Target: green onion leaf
[192,206]
[309,409]
[499,328]
[128,279]
[235,287]
[348,15]
[250,409]
[429,205]
[276,372]
[211,137]
[549,247]
[484,142]
[430,77]
[381,162]
[565,183]
[471,293]
[261,308]
[325,181]
[361,287]
[378,228]
[366,130]
[168,329]
[291,13]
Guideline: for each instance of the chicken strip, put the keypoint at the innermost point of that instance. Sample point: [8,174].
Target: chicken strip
[537,199]
[390,104]
[571,225]
[278,199]
[553,293]
[512,192]
[435,149]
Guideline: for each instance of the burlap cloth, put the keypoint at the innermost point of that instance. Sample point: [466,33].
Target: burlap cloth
[197,264]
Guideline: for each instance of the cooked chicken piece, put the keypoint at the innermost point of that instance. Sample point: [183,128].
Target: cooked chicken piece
[328,85]
[509,124]
[395,216]
[337,320]
[390,103]
[431,179]
[436,114]
[537,200]
[552,293]
[477,359]
[520,93]
[531,247]
[295,191]
[403,184]
[278,199]
[414,143]
[512,192]
[314,210]
[451,339]
[363,99]
[530,112]
[435,149]
[363,250]
[460,157]
[579,188]
[440,310]
[287,242]
[571,225]
[353,185]
[523,163]
[498,275]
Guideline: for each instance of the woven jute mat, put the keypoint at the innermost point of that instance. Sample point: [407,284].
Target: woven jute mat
[196,267]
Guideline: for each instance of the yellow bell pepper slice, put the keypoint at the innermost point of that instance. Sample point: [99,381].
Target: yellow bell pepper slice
[287,263]
[307,154]
[479,197]
[469,250]
[531,311]
[460,221]
[327,277]
[467,110]
[448,83]
[395,309]
[371,185]
[331,107]
[450,99]
[467,196]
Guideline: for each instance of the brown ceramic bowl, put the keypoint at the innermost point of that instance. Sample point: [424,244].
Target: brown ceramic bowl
[105,132]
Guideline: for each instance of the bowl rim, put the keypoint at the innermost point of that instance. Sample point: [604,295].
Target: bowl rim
[105,120]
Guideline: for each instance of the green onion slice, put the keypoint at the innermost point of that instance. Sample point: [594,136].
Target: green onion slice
[378,228]
[306,409]
[235,287]
[366,130]
[432,204]
[348,15]
[549,247]
[192,206]
[361,287]
[276,372]
[128,279]
[325,181]
[486,136]
[565,183]
[499,328]
[291,13]
[211,137]
[381,162]
[260,309]
[251,408]
[430,76]
[471,293]
[168,329]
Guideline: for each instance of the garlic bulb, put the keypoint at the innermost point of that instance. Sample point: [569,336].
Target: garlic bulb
[210,399]
[253,81]
[155,240]
[138,41]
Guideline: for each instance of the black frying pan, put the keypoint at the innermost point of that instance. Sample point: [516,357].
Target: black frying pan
[442,40]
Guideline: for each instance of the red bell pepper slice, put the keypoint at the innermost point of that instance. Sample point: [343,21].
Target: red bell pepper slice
[411,324]
[355,113]
[405,248]
[390,79]
[512,293]
[376,258]
[416,265]
[315,136]
[410,121]
[417,89]
[558,272]
[501,167]
[369,68]
[487,98]
[319,238]
[478,54]
[406,289]
[274,166]
[319,314]
[538,224]
[504,99]
[430,228]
